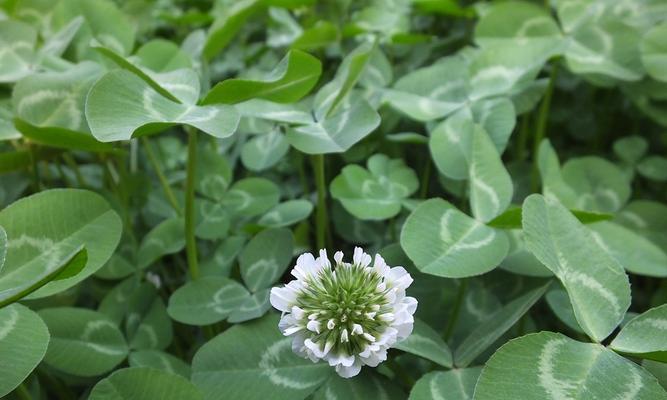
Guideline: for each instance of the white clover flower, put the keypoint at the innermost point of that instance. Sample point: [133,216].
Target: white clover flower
[348,315]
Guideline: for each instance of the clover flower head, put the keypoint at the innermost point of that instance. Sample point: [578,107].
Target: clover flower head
[348,314]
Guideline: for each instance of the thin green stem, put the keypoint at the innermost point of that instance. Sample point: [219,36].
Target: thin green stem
[157,167]
[35,168]
[460,295]
[321,216]
[426,178]
[190,240]
[541,124]
[522,141]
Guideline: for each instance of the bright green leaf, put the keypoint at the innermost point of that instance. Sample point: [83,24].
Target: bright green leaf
[140,383]
[495,326]
[47,228]
[266,257]
[457,384]
[596,283]
[549,365]
[159,360]
[293,78]
[83,342]
[653,51]
[645,336]
[23,341]
[376,192]
[287,213]
[427,343]
[443,241]
[121,104]
[635,253]
[206,300]
[254,361]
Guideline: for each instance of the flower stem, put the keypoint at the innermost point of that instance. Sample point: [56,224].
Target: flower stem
[460,295]
[426,178]
[541,124]
[190,241]
[321,217]
[161,177]
[522,141]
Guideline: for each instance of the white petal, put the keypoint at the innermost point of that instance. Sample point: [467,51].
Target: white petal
[386,317]
[282,298]
[357,329]
[297,313]
[338,257]
[375,358]
[340,359]
[412,304]
[313,326]
[369,337]
[305,266]
[404,330]
[349,371]
[298,346]
[343,336]
[292,330]
[331,324]
[323,259]
[286,321]
[399,277]
[361,258]
[388,337]
[315,348]
[356,256]
[380,265]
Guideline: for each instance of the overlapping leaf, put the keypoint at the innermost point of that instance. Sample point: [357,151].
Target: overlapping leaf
[141,383]
[121,105]
[83,342]
[427,343]
[255,355]
[48,228]
[457,384]
[206,300]
[265,258]
[549,365]
[292,78]
[443,241]
[23,341]
[645,336]
[376,192]
[596,283]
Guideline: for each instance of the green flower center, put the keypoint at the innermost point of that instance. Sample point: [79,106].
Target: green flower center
[347,305]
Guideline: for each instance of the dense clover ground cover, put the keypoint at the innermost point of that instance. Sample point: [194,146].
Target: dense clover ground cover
[177,178]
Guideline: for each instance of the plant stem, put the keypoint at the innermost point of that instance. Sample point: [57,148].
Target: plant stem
[148,147]
[35,168]
[320,182]
[460,295]
[541,124]
[190,241]
[426,178]
[522,141]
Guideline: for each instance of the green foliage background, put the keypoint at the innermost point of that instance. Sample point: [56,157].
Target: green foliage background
[163,162]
